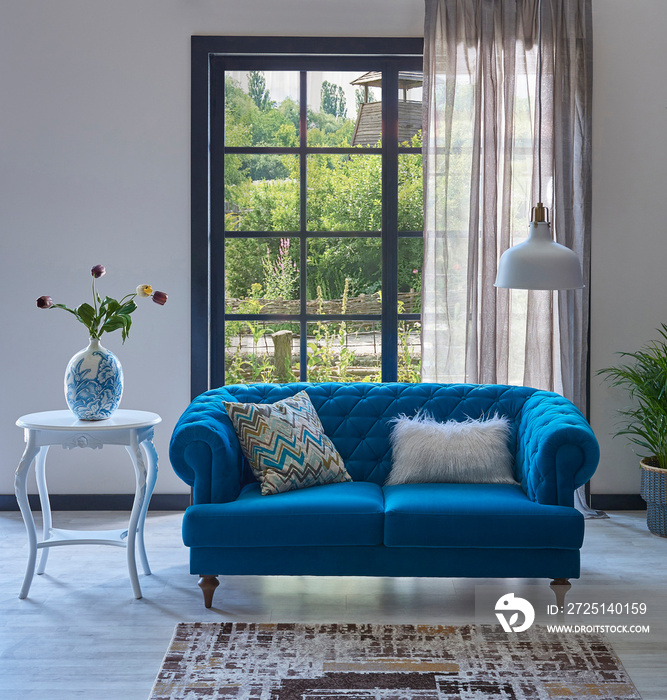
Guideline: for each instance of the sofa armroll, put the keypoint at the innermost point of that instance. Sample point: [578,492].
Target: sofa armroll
[205,452]
[556,449]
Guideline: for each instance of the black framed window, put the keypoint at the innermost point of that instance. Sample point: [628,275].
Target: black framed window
[306,209]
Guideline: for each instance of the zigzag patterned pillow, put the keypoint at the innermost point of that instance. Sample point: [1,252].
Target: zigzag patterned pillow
[285,444]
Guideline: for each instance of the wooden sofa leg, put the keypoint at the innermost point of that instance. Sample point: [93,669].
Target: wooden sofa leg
[208,584]
[560,587]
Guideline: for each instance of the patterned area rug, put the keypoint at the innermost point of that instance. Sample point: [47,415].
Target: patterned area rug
[286,661]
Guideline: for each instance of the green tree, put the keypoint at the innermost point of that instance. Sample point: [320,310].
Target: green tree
[410,188]
[328,131]
[257,90]
[360,96]
[332,99]
[239,109]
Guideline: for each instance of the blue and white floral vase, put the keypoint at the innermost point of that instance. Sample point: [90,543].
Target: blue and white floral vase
[93,382]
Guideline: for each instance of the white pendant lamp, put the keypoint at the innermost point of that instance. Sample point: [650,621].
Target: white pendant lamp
[539,262]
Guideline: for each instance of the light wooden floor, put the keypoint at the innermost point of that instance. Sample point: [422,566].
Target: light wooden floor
[81,634]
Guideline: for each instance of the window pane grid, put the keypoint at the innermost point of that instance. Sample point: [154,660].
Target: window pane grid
[323,339]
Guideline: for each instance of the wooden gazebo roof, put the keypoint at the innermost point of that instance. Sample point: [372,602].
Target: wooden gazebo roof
[406,79]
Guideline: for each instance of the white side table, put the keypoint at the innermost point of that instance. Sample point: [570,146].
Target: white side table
[133,430]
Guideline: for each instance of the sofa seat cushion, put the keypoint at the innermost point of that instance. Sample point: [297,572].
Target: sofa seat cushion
[476,515]
[347,513]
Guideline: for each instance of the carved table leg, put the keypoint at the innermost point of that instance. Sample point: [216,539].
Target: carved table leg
[208,584]
[21,489]
[560,587]
[139,497]
[40,472]
[151,479]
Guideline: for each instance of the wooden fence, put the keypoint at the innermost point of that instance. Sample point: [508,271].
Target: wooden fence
[361,304]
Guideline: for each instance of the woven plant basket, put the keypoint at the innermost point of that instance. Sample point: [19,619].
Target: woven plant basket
[654,492]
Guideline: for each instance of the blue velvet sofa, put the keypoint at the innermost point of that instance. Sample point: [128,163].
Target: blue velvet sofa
[363,528]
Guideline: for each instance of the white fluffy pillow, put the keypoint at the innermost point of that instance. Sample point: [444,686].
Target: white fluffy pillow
[468,452]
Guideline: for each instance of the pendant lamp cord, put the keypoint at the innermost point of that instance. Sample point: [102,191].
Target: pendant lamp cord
[539,100]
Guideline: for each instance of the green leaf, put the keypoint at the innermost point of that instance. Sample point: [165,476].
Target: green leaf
[62,306]
[126,330]
[109,306]
[113,324]
[86,313]
[127,308]
[644,379]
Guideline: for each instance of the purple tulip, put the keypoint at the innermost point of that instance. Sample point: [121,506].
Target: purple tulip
[160,298]
[44,302]
[98,271]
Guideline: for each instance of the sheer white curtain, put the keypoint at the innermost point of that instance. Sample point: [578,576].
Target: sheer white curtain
[480,182]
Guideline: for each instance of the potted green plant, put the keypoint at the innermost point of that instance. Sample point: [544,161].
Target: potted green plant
[643,374]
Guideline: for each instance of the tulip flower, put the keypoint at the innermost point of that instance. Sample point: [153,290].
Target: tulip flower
[44,302]
[106,315]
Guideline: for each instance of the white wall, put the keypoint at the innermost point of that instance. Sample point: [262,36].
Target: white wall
[629,244]
[94,168]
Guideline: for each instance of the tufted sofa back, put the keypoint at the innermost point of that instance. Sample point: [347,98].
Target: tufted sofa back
[357,416]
